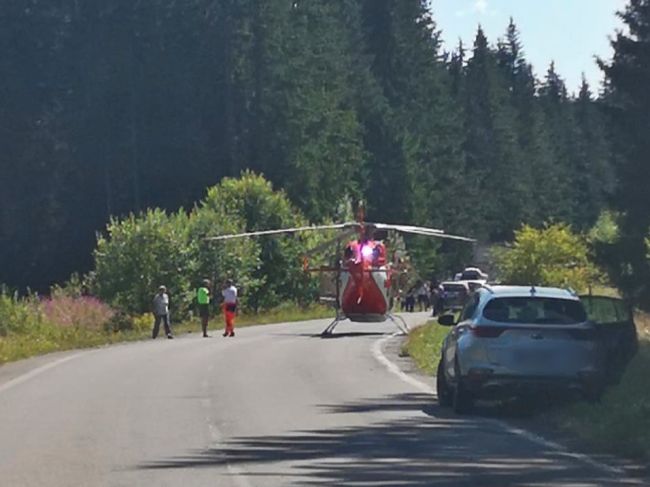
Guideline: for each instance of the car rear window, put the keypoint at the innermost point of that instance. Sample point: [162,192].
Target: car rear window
[537,311]
[470,276]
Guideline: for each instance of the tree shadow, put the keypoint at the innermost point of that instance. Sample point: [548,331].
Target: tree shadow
[434,449]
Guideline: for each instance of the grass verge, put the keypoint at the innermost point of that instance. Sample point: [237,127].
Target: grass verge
[424,344]
[620,423]
[42,337]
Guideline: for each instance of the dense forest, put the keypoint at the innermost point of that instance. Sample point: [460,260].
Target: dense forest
[114,107]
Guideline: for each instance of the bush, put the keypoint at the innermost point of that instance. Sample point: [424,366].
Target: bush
[139,254]
[120,322]
[19,316]
[550,256]
[276,268]
[77,312]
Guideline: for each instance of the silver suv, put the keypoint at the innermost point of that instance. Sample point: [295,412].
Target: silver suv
[513,341]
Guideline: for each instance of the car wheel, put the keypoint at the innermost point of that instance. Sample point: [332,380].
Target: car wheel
[442,388]
[463,401]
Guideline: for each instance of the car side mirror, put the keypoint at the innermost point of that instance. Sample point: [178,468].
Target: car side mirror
[447,320]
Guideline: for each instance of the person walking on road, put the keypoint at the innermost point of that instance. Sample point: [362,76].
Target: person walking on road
[161,313]
[203,301]
[229,294]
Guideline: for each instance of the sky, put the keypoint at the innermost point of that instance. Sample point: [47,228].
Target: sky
[569,32]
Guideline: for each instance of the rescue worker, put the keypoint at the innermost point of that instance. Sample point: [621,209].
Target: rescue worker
[229,294]
[203,301]
[161,313]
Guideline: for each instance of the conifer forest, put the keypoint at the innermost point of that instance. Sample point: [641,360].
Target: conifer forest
[111,108]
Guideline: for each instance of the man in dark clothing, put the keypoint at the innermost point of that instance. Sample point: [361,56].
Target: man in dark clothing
[161,312]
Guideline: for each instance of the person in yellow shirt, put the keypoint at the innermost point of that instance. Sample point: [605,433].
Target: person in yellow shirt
[203,300]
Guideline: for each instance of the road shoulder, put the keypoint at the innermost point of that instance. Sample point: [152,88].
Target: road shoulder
[537,428]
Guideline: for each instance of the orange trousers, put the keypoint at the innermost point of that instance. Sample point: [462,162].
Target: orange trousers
[229,317]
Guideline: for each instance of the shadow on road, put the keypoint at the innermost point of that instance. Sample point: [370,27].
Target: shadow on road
[350,334]
[432,449]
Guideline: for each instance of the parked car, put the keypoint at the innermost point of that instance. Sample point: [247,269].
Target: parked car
[473,274]
[453,295]
[514,341]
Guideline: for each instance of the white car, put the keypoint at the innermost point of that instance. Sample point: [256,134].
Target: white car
[512,341]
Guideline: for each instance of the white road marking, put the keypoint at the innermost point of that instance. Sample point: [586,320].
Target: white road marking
[37,371]
[378,353]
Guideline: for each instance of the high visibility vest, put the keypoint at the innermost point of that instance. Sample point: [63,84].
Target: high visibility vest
[203,295]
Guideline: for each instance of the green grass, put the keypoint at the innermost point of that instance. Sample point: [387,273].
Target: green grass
[424,344]
[51,339]
[38,337]
[620,423]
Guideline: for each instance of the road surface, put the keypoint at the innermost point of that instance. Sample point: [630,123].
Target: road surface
[274,406]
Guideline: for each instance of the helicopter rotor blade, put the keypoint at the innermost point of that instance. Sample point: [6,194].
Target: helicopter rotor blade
[415,230]
[341,236]
[279,231]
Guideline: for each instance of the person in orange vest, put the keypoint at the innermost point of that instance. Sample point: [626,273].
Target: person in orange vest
[229,294]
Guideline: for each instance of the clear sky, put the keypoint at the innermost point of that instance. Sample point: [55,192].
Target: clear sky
[570,32]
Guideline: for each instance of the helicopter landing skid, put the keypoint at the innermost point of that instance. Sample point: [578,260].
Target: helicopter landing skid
[399,323]
[327,332]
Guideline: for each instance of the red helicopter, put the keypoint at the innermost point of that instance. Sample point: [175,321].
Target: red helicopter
[362,273]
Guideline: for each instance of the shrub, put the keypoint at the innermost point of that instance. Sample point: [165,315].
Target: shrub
[119,322]
[141,252]
[77,312]
[269,269]
[549,256]
[138,254]
[19,316]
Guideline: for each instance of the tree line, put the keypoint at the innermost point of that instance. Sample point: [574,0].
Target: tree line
[115,108]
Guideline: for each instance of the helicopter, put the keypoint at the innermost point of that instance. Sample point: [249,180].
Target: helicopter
[362,272]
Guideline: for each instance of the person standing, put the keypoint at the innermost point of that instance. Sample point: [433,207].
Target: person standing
[423,296]
[161,313]
[203,301]
[229,294]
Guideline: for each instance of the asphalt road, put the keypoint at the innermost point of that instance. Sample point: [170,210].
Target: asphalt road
[274,406]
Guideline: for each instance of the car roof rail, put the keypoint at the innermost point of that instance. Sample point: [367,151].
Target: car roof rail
[488,288]
[572,291]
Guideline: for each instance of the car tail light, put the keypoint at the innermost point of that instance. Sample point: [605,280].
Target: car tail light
[487,331]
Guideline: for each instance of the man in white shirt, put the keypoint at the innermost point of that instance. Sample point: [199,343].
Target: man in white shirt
[161,312]
[229,294]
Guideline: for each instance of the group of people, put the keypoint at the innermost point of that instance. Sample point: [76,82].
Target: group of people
[160,308]
[426,295]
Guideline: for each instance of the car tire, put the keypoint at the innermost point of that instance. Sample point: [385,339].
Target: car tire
[463,400]
[442,388]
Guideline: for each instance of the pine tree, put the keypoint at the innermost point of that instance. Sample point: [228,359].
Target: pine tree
[595,181]
[494,161]
[420,162]
[628,106]
[561,173]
